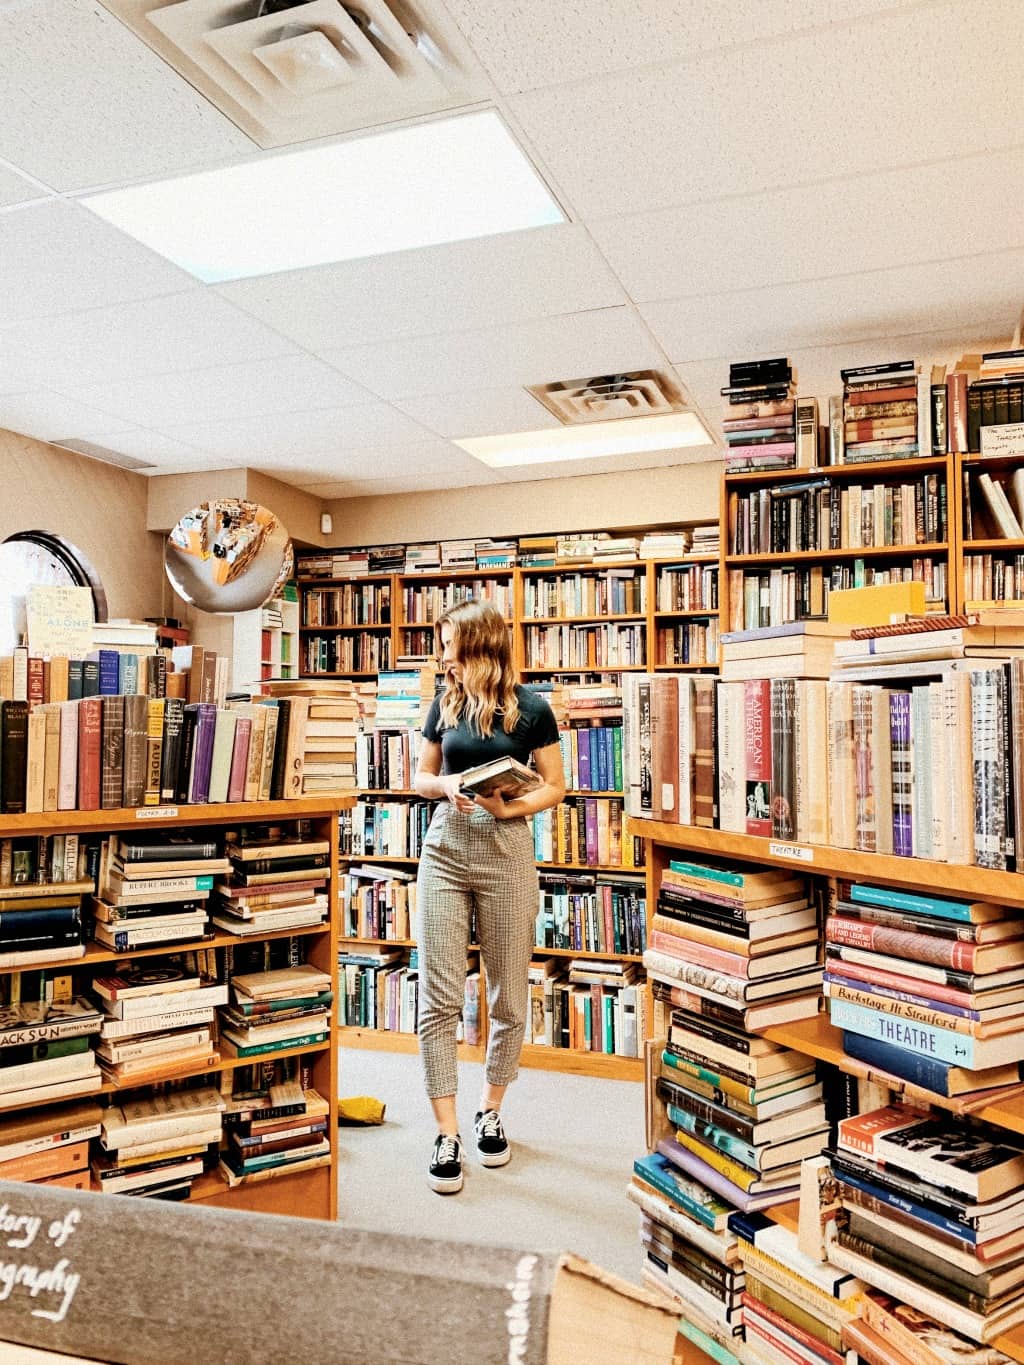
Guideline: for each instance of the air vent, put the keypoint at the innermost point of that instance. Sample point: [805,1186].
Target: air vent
[95,452]
[641,393]
[312,69]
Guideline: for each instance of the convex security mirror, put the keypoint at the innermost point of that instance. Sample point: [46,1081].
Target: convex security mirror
[228,555]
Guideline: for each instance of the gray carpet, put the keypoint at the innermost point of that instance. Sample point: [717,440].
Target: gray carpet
[574,1141]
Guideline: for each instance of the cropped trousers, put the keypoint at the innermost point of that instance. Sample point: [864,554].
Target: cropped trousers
[470,861]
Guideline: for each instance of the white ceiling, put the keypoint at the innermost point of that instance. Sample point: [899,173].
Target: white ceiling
[840,181]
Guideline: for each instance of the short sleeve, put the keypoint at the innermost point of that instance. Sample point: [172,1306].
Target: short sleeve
[432,723]
[544,727]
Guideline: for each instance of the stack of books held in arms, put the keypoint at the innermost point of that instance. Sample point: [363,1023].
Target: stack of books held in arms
[157,1021]
[276,1010]
[46,1051]
[279,876]
[927,988]
[933,1215]
[276,1134]
[153,889]
[157,1145]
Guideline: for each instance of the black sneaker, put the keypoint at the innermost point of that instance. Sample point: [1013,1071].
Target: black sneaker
[491,1142]
[445,1173]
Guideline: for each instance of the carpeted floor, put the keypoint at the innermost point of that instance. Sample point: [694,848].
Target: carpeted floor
[574,1141]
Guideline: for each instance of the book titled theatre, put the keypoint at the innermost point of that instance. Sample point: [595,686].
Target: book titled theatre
[502,776]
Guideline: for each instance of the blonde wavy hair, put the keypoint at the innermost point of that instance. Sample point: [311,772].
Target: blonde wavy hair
[488,685]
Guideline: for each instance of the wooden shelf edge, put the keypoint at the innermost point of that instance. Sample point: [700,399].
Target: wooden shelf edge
[140,817]
[579,1063]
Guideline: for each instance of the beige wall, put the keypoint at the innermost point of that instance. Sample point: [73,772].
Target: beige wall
[172,494]
[596,502]
[98,508]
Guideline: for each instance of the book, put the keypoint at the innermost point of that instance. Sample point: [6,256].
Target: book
[504,776]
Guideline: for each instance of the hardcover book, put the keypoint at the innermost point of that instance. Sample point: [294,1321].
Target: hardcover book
[504,776]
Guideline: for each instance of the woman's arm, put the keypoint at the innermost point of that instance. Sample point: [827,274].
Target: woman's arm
[548,762]
[428,781]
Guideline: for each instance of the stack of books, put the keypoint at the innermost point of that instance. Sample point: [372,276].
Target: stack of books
[927,988]
[424,558]
[157,1145]
[900,1335]
[995,404]
[279,876]
[705,540]
[325,749]
[50,1146]
[665,544]
[40,922]
[153,889]
[760,430]
[592,744]
[794,1308]
[276,1010]
[934,1216]
[802,649]
[886,415]
[46,1051]
[597,546]
[278,1135]
[378,902]
[157,1020]
[496,554]
[458,554]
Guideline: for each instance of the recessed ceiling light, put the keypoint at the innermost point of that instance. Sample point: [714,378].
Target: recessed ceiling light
[441,181]
[627,436]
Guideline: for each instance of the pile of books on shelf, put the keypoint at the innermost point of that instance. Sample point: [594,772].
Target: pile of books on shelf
[705,540]
[274,1129]
[41,912]
[886,413]
[158,1019]
[596,545]
[995,404]
[325,718]
[50,1146]
[157,1145]
[933,1215]
[665,543]
[927,988]
[274,1011]
[423,558]
[537,551]
[760,430]
[380,989]
[46,1049]
[801,649]
[589,912]
[153,889]
[378,902]
[496,553]
[586,1005]
[278,880]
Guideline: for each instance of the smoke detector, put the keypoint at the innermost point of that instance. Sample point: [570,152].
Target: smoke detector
[611,397]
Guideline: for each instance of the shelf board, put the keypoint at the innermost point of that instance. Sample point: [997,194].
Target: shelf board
[227,813]
[610,956]
[378,942]
[705,613]
[376,858]
[94,953]
[588,867]
[861,469]
[320,630]
[351,673]
[595,619]
[979,883]
[682,668]
[445,574]
[390,1040]
[976,457]
[580,1063]
[352,578]
[936,547]
[590,668]
[1000,543]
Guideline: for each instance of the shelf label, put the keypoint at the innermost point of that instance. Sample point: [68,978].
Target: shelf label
[157,813]
[797,852]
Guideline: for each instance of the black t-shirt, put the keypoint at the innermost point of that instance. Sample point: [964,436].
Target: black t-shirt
[463,748]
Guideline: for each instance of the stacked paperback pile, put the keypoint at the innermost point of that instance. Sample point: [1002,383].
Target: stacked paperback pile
[934,1216]
[706,539]
[886,414]
[802,649]
[153,889]
[278,1132]
[665,544]
[50,1146]
[41,921]
[46,1051]
[760,430]
[423,558]
[597,546]
[378,902]
[927,988]
[327,715]
[157,1022]
[156,1146]
[279,877]
[495,554]
[276,1010]
[388,750]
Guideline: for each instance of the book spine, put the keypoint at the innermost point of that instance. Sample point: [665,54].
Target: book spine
[915,1037]
[170,757]
[758,756]
[902,800]
[989,770]
[896,1060]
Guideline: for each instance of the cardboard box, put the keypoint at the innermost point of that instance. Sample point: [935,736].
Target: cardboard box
[147,1283]
[877,605]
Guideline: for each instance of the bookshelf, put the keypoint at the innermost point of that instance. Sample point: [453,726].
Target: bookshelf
[311,1193]
[991,561]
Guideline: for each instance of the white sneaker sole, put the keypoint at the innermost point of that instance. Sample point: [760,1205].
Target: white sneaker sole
[445,1184]
[496,1158]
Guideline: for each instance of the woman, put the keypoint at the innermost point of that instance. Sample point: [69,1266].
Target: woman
[478,856]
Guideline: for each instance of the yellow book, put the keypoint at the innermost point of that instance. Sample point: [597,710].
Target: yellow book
[875,606]
[154,749]
[732,1170]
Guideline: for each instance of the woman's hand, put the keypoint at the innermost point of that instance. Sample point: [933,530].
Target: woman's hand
[494,805]
[453,792]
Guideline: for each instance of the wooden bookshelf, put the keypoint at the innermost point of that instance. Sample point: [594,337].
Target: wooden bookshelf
[312,1193]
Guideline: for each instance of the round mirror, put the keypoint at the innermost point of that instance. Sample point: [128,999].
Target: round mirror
[228,556]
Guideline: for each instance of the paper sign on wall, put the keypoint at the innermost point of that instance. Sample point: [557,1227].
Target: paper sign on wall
[60,621]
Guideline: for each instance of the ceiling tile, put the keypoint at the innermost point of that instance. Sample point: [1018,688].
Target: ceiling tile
[167,335]
[524,353]
[44,415]
[535,43]
[56,257]
[149,445]
[15,189]
[486,282]
[480,412]
[86,103]
[625,464]
[828,103]
[414,460]
[221,393]
[920,298]
[279,435]
[964,208]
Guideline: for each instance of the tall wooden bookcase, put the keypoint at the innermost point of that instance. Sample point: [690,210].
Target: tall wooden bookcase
[313,1193]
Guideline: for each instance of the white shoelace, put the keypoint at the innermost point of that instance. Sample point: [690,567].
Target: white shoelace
[490,1125]
[447,1151]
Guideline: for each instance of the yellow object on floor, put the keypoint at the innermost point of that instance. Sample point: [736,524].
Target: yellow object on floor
[362,1109]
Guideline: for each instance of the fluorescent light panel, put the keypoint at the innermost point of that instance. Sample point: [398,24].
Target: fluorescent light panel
[599,440]
[442,181]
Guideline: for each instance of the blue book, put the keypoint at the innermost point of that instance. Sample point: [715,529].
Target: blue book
[924,1039]
[962,912]
[718,1138]
[202,754]
[689,1195]
[110,672]
[128,673]
[933,1219]
[939,1077]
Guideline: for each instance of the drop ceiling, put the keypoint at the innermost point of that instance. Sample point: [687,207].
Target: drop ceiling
[835,180]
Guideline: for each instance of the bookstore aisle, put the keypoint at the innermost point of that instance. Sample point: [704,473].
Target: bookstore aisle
[562,1189]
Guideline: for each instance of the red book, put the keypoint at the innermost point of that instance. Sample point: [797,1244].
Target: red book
[757,729]
[36,682]
[770,448]
[90,745]
[239,759]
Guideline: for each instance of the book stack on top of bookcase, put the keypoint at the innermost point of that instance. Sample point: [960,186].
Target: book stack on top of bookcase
[760,430]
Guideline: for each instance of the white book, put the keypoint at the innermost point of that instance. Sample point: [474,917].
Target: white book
[293,920]
[731,759]
[687,749]
[145,1006]
[117,1182]
[114,936]
[155,1147]
[43,957]
[155,1045]
[220,764]
[57,1090]
[139,1025]
[48,1071]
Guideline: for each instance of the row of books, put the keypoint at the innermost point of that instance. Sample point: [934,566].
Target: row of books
[687,587]
[584,646]
[592,913]
[353,604]
[608,592]
[993,578]
[1000,510]
[585,831]
[691,643]
[378,902]
[380,991]
[586,1005]
[340,653]
[35,679]
[422,604]
[775,597]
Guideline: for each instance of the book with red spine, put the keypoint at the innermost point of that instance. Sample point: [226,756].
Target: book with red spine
[758,755]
